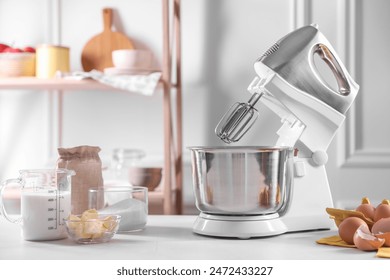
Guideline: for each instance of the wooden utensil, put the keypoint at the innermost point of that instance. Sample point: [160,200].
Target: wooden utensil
[96,53]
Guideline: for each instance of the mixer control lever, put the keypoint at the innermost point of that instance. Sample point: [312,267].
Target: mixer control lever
[319,157]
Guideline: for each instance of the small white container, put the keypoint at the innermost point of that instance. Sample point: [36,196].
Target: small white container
[132,59]
[131,203]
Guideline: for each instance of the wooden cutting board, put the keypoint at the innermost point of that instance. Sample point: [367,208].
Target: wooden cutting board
[96,53]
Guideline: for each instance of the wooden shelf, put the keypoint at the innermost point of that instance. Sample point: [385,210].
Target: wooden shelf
[31,83]
[51,84]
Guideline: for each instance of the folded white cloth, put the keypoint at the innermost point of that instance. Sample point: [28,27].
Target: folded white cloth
[143,84]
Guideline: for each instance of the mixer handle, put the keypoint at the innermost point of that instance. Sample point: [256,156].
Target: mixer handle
[327,56]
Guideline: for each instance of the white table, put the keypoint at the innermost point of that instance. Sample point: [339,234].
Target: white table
[171,237]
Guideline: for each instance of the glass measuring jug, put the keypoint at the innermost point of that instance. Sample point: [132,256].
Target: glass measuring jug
[45,201]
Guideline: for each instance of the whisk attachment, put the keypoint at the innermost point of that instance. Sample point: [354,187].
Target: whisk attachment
[238,120]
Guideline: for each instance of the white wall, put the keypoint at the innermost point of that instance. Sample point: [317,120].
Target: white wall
[220,40]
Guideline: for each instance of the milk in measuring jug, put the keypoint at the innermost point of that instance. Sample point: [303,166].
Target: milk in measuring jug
[43,214]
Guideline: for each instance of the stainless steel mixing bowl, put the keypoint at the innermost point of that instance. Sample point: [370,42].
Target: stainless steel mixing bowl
[242,180]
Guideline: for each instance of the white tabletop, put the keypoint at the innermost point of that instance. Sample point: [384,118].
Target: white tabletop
[171,237]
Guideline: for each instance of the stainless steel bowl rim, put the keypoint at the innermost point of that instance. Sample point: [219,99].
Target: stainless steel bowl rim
[240,149]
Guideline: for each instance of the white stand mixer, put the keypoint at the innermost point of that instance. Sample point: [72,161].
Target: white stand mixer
[311,112]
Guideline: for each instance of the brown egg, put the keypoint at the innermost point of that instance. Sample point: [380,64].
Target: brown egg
[382,210]
[386,237]
[366,208]
[381,226]
[348,227]
[381,229]
[365,240]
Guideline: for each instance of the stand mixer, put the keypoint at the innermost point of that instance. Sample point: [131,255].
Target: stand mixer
[311,112]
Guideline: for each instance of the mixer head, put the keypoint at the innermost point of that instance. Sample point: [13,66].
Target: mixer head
[292,57]
[289,78]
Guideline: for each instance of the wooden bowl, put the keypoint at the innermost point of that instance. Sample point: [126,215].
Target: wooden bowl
[149,177]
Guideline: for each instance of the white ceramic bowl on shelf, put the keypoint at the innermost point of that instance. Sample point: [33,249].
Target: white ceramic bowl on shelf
[132,59]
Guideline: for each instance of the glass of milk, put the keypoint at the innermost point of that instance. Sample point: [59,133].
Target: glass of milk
[130,202]
[45,202]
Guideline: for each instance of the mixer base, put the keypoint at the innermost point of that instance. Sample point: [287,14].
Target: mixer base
[242,227]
